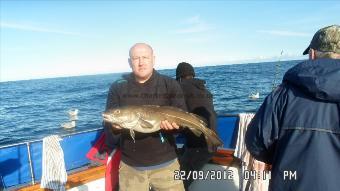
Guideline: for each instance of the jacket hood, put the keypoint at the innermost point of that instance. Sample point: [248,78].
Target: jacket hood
[319,78]
[195,81]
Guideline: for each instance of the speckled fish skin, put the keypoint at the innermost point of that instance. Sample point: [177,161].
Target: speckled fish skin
[147,119]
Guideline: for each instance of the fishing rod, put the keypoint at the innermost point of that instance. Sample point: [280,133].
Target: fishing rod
[277,72]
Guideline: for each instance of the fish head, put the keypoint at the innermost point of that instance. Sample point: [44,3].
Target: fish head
[123,117]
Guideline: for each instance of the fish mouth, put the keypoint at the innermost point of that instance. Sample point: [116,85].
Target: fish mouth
[106,117]
[110,119]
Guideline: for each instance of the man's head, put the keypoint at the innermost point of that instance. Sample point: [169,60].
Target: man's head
[325,43]
[184,70]
[141,61]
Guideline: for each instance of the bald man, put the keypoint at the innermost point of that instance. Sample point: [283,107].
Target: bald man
[150,160]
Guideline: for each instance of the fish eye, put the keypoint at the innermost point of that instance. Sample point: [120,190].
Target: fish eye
[117,112]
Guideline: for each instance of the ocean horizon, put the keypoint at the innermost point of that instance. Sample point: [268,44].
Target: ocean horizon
[158,69]
[32,109]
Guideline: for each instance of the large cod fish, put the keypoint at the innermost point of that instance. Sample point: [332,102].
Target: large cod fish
[147,119]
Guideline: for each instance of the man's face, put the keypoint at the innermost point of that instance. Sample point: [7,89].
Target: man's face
[141,62]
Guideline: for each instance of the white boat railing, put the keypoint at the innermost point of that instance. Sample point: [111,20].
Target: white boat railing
[37,140]
[28,143]
[30,163]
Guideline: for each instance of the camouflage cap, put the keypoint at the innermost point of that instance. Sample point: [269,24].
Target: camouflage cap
[326,40]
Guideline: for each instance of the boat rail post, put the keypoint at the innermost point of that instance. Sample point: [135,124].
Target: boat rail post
[30,162]
[2,183]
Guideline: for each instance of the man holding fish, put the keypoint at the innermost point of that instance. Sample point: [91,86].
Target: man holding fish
[148,159]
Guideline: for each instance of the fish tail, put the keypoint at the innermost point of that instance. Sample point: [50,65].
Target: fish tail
[213,141]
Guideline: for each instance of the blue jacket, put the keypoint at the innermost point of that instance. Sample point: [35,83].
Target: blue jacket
[297,129]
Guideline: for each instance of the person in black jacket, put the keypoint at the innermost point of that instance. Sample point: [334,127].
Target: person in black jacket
[198,101]
[297,128]
[150,160]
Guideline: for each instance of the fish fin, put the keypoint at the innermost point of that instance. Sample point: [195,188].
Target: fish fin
[171,108]
[155,106]
[213,141]
[132,134]
[196,132]
[211,148]
[203,121]
[145,124]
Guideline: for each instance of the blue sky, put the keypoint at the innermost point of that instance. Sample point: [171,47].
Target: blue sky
[40,39]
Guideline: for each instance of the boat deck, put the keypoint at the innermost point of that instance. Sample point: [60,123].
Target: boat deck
[76,179]
[92,178]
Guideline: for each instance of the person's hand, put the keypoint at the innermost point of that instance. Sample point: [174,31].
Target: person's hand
[166,125]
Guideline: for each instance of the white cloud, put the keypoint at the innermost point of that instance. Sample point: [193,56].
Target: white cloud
[194,25]
[284,33]
[192,20]
[32,28]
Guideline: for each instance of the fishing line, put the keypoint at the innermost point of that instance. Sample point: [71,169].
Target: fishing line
[277,72]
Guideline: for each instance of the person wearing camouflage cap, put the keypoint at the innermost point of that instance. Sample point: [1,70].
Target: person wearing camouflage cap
[297,128]
[325,43]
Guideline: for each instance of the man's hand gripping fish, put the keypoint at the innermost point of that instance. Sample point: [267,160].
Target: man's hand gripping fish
[147,119]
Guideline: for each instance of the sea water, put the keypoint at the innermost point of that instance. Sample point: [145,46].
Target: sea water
[32,109]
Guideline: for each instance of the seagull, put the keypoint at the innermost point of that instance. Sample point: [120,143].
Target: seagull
[68,125]
[73,112]
[254,95]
